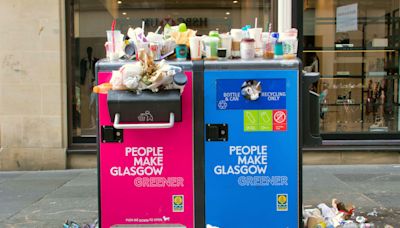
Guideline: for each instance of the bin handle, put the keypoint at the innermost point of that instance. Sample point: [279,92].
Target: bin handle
[117,125]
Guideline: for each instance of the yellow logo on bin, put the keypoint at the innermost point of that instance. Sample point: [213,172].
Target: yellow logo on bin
[282,203]
[178,203]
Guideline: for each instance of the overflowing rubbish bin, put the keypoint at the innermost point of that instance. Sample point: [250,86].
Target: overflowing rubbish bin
[252,164]
[145,156]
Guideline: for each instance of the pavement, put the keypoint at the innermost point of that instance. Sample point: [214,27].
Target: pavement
[48,198]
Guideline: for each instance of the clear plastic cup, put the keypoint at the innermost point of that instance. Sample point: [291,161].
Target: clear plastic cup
[142,46]
[226,43]
[114,44]
[256,34]
[210,46]
[195,47]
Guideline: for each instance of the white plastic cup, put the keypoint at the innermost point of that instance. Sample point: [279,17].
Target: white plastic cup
[226,43]
[195,47]
[114,44]
[116,33]
[237,35]
[256,34]
[142,45]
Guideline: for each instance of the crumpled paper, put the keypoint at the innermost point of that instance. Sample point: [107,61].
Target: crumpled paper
[183,37]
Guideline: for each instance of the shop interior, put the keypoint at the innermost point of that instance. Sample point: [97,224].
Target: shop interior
[354,45]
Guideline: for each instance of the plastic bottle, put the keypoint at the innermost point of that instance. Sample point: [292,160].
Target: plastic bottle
[246,34]
[167,31]
[215,34]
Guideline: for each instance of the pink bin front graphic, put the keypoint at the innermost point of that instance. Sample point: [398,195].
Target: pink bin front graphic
[145,174]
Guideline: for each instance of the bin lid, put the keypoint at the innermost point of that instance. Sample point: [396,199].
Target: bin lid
[107,65]
[256,64]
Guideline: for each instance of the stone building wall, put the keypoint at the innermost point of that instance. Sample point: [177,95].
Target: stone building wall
[32,85]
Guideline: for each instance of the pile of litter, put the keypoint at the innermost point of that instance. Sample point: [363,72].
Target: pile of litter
[144,74]
[340,215]
[72,224]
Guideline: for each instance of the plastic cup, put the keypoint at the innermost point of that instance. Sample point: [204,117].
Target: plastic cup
[256,34]
[226,43]
[237,35]
[210,46]
[142,45]
[114,44]
[195,47]
[116,34]
[155,50]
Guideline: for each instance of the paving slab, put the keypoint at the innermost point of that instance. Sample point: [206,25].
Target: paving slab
[48,198]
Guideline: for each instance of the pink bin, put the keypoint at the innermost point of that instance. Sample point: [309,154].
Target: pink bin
[145,157]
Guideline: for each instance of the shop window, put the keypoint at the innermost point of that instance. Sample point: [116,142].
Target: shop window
[88,20]
[354,44]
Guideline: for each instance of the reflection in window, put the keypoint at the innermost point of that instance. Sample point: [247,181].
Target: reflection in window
[92,18]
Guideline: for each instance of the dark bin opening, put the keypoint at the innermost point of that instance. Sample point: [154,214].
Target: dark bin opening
[145,106]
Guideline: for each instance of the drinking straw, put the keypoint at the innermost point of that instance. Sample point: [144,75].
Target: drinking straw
[269,33]
[166,55]
[158,29]
[270,28]
[255,23]
[113,35]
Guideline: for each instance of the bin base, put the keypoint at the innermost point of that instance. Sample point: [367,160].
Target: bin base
[150,226]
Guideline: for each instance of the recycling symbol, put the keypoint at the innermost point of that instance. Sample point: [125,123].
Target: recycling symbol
[222,104]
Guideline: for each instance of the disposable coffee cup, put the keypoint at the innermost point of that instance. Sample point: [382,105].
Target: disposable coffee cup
[226,43]
[181,52]
[256,34]
[195,47]
[237,35]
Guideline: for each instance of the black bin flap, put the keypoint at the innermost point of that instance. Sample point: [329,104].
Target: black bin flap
[145,106]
